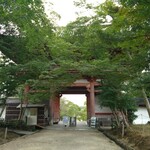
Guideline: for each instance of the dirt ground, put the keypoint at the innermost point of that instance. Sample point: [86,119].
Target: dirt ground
[10,136]
[137,137]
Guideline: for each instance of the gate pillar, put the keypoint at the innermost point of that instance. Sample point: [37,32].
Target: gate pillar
[88,106]
[55,109]
[92,98]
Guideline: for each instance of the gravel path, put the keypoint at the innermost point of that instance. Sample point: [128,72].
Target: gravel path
[61,138]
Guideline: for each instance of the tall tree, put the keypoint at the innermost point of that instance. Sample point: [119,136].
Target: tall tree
[25,30]
[67,108]
[127,37]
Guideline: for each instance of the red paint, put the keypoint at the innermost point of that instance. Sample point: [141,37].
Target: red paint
[55,109]
[88,106]
[92,98]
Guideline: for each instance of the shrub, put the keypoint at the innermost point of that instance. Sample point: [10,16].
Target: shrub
[16,124]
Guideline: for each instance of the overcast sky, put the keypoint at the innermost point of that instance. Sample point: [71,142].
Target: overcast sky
[78,99]
[66,9]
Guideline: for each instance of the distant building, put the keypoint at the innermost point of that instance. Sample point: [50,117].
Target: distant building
[142,114]
[33,114]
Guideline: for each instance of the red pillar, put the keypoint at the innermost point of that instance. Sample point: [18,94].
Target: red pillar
[55,109]
[92,97]
[88,106]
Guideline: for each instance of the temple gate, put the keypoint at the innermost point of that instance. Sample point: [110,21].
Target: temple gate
[83,86]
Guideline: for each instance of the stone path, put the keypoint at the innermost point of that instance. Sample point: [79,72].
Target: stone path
[59,137]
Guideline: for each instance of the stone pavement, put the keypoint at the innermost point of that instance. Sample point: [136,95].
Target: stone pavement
[58,137]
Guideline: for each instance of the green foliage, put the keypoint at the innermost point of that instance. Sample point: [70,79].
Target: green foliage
[131,116]
[116,95]
[83,114]
[26,19]
[38,97]
[12,75]
[67,108]
[16,124]
[23,43]
[145,80]
[115,50]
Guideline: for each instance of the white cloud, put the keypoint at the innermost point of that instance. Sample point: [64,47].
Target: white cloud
[66,9]
[78,99]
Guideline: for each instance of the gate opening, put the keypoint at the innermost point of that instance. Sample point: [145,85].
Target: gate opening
[74,106]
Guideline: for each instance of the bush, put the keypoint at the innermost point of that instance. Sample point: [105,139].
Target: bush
[16,124]
[131,116]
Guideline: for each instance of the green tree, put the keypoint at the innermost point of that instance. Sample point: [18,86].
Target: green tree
[83,113]
[89,47]
[67,108]
[122,43]
[25,30]
[116,94]
[25,19]
[132,28]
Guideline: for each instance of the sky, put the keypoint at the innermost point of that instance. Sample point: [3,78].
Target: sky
[78,99]
[66,9]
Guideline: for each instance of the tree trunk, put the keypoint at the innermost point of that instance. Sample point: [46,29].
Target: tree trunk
[116,118]
[124,119]
[122,130]
[3,106]
[146,101]
[20,114]
[126,115]
[2,110]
